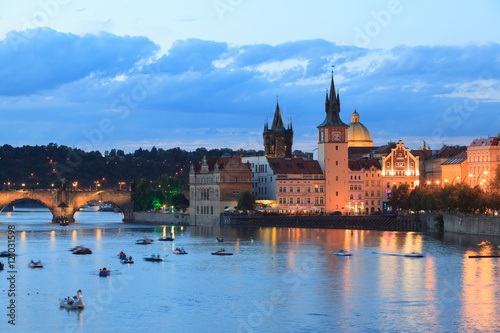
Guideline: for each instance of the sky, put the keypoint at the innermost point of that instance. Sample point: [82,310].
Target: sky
[206,73]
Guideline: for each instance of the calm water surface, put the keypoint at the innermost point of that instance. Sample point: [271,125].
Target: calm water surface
[278,280]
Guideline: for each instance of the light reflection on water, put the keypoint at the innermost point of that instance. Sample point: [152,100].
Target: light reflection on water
[278,280]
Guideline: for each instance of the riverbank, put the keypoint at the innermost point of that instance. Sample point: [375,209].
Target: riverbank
[161,218]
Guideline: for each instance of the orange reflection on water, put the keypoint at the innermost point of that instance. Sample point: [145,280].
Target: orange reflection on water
[74,235]
[237,245]
[479,302]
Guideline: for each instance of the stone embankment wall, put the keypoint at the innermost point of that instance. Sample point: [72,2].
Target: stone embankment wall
[472,225]
[161,218]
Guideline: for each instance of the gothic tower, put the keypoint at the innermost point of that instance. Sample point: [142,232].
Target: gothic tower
[278,140]
[333,154]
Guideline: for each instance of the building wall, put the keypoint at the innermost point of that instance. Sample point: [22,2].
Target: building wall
[400,167]
[374,193]
[263,180]
[333,159]
[482,162]
[356,204]
[454,173]
[298,190]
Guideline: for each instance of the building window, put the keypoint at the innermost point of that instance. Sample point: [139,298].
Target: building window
[298,200]
[298,189]
[280,189]
[378,193]
[291,201]
[321,201]
[309,200]
[336,194]
[411,184]
[316,189]
[321,188]
[351,197]
[212,210]
[316,200]
[281,200]
[284,189]
[308,190]
[351,187]
[373,194]
[337,178]
[367,183]
[336,147]
[336,162]
[291,189]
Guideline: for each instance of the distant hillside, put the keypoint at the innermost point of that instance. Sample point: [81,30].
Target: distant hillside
[42,167]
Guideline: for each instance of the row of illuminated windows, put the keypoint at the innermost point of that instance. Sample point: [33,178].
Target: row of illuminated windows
[283,189]
[356,188]
[298,201]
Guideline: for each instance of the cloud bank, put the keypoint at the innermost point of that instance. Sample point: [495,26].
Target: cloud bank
[59,87]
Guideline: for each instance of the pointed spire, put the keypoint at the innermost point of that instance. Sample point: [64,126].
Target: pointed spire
[291,128]
[332,107]
[278,119]
[326,101]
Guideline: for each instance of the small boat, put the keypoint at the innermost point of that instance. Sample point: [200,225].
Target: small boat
[82,250]
[180,251]
[104,272]
[154,258]
[343,253]
[413,255]
[165,239]
[6,254]
[144,241]
[128,261]
[486,256]
[72,303]
[222,252]
[35,264]
[78,247]
[220,239]
[122,256]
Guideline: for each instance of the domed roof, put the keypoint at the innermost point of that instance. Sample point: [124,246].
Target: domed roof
[357,134]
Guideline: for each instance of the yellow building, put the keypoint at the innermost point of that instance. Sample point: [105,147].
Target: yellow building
[400,167]
[455,170]
[358,134]
[483,157]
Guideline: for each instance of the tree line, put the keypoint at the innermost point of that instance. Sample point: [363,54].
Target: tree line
[458,197]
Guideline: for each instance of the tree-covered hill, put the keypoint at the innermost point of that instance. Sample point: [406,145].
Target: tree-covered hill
[42,167]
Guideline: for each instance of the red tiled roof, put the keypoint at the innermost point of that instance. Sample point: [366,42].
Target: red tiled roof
[211,163]
[363,164]
[423,154]
[294,166]
[457,159]
[485,142]
[449,151]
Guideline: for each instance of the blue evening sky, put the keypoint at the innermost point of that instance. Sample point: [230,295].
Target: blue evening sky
[205,73]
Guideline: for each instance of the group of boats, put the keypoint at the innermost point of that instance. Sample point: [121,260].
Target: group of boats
[345,253]
[146,241]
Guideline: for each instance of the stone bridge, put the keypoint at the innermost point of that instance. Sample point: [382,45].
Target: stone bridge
[65,203]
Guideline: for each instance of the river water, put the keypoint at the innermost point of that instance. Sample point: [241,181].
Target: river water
[278,280]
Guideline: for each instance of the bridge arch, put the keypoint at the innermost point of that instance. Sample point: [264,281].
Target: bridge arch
[44,197]
[66,203]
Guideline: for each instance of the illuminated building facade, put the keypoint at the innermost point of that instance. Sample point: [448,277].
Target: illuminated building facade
[400,167]
[455,170]
[333,154]
[483,157]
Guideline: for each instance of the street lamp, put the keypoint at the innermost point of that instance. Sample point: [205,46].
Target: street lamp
[75,184]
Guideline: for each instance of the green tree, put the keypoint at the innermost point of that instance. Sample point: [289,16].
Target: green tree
[147,197]
[400,197]
[495,182]
[246,200]
[179,200]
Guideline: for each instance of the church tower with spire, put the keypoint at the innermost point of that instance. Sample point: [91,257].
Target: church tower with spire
[333,154]
[278,139]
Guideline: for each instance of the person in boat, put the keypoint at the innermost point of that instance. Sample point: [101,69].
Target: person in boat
[100,270]
[130,258]
[158,256]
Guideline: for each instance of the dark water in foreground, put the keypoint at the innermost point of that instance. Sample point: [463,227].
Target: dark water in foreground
[278,280]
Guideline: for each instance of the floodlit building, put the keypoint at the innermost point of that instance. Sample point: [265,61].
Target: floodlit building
[483,157]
